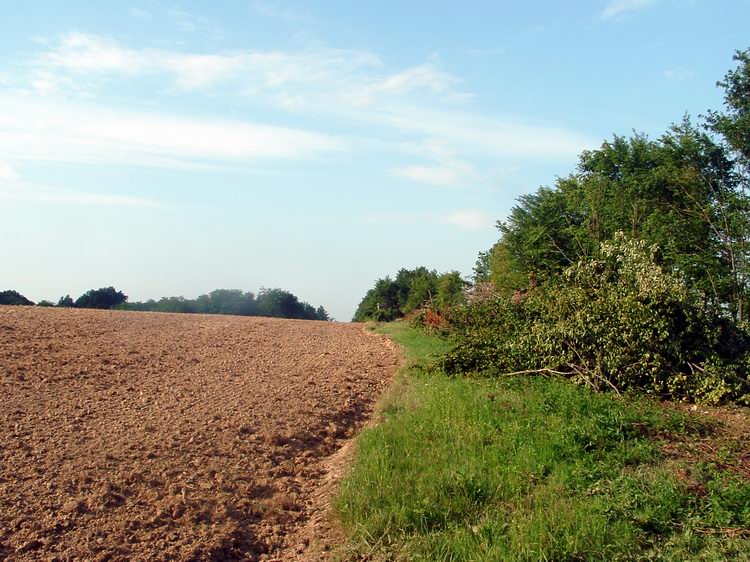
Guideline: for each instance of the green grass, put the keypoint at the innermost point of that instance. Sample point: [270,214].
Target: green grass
[419,348]
[529,469]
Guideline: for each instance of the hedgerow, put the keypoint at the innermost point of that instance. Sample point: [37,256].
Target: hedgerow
[619,321]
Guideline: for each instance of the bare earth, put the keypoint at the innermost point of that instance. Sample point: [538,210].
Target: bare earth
[141,436]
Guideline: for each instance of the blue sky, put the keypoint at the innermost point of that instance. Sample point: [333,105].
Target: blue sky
[174,148]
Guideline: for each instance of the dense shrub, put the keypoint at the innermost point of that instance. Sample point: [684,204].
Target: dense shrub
[619,321]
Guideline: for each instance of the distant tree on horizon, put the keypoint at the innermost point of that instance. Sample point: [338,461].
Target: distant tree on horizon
[15,298]
[273,303]
[104,298]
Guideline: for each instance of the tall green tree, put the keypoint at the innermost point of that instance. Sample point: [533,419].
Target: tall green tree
[416,287]
[733,126]
[679,192]
[450,291]
[541,232]
[410,290]
[381,303]
[66,302]
[734,123]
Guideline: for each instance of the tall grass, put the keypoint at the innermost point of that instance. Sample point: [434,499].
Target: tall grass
[529,469]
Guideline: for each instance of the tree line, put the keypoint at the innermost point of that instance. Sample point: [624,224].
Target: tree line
[631,272]
[685,193]
[276,303]
[409,291]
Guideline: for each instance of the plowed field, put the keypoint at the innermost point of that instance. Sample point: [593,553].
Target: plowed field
[142,436]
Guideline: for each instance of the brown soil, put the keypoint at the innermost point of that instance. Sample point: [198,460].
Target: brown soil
[723,440]
[142,436]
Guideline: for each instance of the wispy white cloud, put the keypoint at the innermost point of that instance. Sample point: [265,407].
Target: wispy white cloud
[140,13]
[617,8]
[83,53]
[678,75]
[471,220]
[418,77]
[487,52]
[426,174]
[335,76]
[447,169]
[12,188]
[31,128]
[186,21]
[276,10]
[7,172]
[486,136]
[466,219]
[350,88]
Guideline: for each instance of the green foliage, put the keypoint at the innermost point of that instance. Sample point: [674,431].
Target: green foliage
[45,303]
[411,289]
[540,233]
[283,304]
[574,296]
[269,302]
[678,192]
[66,302]
[505,274]
[450,291]
[734,125]
[14,297]
[106,297]
[618,321]
[685,192]
[380,304]
[528,469]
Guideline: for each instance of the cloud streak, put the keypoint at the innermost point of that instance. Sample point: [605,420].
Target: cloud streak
[434,175]
[34,129]
[351,89]
[464,219]
[7,172]
[87,55]
[617,8]
[678,75]
[470,220]
[13,189]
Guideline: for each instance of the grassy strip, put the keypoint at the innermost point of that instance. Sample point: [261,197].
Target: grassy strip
[531,469]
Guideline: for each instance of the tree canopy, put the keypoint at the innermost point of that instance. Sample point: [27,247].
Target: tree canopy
[276,303]
[409,291]
[14,297]
[679,192]
[106,297]
[630,272]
